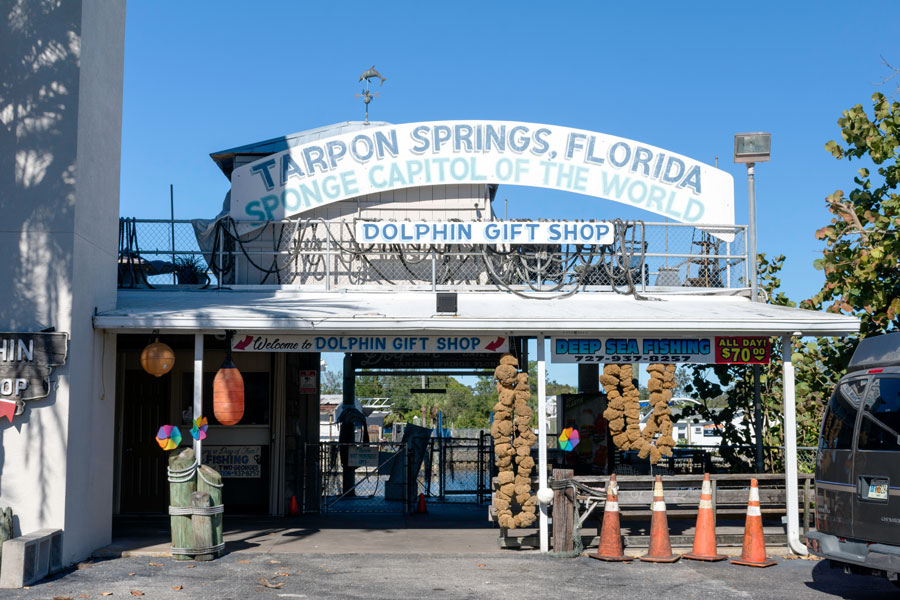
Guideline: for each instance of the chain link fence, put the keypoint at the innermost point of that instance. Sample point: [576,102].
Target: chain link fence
[317,254]
[161,252]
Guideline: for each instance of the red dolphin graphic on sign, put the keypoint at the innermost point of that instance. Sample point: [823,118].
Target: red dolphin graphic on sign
[7,409]
[495,344]
[243,343]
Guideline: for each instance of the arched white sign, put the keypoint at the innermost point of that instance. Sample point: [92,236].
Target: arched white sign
[392,157]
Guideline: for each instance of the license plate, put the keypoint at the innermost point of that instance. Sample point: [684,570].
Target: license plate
[878,491]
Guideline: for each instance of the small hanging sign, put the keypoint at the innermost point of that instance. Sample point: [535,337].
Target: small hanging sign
[308,382]
[234,462]
[26,360]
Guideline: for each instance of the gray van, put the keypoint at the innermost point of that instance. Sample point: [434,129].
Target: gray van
[858,465]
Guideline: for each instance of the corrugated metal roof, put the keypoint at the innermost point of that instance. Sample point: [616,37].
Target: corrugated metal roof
[280,310]
[225,158]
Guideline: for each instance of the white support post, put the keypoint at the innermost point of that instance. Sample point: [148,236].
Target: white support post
[198,387]
[544,493]
[790,451]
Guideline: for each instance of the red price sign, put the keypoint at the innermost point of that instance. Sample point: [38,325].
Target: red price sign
[743,350]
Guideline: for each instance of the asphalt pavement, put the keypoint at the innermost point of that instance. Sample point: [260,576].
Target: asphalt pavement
[518,575]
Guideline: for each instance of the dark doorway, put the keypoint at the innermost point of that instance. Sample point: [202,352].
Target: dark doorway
[145,406]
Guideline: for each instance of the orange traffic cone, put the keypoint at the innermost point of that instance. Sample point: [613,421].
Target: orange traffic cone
[421,507]
[610,548]
[660,547]
[705,535]
[294,509]
[754,551]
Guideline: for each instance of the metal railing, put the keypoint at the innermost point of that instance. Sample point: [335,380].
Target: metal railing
[324,255]
[688,460]
[378,481]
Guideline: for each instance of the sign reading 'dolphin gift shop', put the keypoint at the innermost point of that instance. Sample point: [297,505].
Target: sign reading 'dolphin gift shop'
[392,157]
[26,360]
[371,343]
[483,232]
[699,350]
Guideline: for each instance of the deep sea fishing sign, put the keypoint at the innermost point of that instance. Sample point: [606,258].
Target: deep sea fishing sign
[748,350]
[392,157]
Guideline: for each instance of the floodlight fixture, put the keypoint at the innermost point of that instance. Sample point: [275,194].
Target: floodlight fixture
[752,147]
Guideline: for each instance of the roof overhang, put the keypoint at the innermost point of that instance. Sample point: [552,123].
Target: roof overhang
[284,311]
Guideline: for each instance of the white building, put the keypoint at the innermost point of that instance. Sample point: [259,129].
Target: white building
[697,431]
[291,289]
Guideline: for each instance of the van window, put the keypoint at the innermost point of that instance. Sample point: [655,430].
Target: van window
[880,427]
[840,415]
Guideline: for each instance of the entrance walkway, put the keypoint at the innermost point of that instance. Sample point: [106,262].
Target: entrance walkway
[446,529]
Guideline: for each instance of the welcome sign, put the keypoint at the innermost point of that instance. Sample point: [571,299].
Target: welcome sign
[452,344]
[392,157]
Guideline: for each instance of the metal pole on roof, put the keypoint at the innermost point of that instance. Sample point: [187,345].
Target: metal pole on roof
[757,417]
[751,230]
[751,256]
[790,450]
[172,221]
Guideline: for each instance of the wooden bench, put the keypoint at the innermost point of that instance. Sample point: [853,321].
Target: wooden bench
[682,496]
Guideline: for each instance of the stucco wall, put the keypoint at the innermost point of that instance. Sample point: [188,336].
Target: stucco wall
[60,135]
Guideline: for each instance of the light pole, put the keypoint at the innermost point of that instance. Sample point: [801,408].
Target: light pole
[751,148]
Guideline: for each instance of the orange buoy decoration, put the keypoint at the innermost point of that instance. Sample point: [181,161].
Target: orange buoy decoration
[157,358]
[228,392]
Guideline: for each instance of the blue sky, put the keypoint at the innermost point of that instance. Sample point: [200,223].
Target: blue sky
[206,76]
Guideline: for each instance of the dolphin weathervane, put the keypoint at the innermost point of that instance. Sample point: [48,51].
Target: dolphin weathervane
[367,97]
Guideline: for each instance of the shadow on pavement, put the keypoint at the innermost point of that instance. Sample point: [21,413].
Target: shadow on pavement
[851,587]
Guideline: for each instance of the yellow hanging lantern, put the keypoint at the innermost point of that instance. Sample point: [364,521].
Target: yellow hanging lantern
[157,358]
[228,393]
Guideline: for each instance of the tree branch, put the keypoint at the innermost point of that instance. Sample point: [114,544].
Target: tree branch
[847,209]
[894,70]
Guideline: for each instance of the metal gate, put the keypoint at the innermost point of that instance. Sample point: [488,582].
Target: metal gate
[383,478]
[458,469]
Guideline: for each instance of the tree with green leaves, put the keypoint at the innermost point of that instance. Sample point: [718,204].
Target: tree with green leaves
[861,262]
[551,388]
[727,391]
[332,382]
[861,259]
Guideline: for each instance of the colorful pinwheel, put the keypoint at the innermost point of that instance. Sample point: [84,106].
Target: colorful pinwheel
[168,437]
[198,431]
[568,439]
